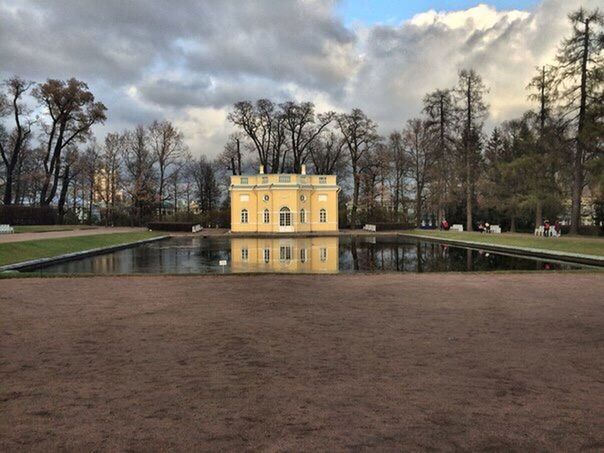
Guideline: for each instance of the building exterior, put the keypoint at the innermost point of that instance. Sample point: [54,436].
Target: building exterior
[311,255]
[284,203]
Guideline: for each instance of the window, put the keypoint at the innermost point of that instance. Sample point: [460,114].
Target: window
[267,255]
[322,179]
[302,216]
[244,216]
[244,254]
[244,180]
[285,178]
[285,253]
[303,255]
[267,216]
[285,217]
[323,216]
[323,254]
[244,197]
[322,197]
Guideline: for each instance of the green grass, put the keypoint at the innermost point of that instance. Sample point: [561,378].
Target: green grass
[16,252]
[568,244]
[46,228]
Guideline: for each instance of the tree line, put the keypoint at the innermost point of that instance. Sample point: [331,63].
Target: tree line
[441,164]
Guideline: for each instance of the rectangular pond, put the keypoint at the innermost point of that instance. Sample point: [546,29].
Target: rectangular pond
[316,255]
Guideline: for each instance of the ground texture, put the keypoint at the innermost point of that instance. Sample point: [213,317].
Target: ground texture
[301,363]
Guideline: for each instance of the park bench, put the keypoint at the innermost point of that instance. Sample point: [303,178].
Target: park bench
[6,229]
[496,229]
[456,227]
[196,228]
[552,233]
[369,228]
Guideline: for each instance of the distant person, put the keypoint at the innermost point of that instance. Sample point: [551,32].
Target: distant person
[487,227]
[558,228]
[444,225]
[481,227]
[546,226]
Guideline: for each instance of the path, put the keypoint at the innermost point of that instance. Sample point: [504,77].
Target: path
[302,363]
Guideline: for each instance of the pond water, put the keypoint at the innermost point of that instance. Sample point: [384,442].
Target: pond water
[197,255]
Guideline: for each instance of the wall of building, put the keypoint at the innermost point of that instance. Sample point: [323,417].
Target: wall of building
[258,193]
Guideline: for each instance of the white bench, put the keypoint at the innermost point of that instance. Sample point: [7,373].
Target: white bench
[540,231]
[6,229]
[196,228]
[496,229]
[369,227]
[456,227]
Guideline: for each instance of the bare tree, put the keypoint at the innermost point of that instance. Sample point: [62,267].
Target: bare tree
[110,165]
[303,127]
[439,107]
[360,134]
[167,144]
[12,143]
[399,159]
[327,152]
[419,149]
[72,110]
[139,164]
[264,125]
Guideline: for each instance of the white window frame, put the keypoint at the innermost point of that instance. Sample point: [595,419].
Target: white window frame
[267,255]
[266,217]
[302,215]
[245,254]
[245,216]
[323,254]
[323,215]
[285,217]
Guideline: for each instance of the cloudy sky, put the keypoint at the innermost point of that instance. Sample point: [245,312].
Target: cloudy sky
[188,60]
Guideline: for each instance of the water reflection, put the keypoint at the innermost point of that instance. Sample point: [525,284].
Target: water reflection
[316,255]
[184,255]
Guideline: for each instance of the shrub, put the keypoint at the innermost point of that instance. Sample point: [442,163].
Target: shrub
[28,215]
[171,226]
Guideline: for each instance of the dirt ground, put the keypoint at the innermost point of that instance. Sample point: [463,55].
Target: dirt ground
[301,363]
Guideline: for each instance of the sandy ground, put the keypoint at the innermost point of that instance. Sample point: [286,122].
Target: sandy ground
[4,238]
[300,363]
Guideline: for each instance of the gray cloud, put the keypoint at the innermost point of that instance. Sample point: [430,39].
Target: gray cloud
[189,61]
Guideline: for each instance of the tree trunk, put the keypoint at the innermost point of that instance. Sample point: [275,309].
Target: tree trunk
[355,200]
[8,186]
[513,224]
[469,222]
[538,214]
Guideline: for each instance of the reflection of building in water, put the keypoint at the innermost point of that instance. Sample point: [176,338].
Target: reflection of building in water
[312,255]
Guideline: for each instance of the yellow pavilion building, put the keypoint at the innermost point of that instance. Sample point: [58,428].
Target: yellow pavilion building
[284,203]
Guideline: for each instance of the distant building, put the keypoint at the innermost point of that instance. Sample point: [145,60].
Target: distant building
[284,203]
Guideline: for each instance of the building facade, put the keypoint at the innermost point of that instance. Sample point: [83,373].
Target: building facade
[284,203]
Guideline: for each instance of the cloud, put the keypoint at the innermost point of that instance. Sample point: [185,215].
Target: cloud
[190,61]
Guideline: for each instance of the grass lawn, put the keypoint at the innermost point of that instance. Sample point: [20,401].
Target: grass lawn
[46,228]
[569,244]
[16,252]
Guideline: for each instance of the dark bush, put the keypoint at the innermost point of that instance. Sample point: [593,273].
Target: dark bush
[393,226]
[28,215]
[216,219]
[171,226]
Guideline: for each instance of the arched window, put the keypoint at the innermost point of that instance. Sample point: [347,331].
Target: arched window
[285,217]
[323,216]
[267,216]
[302,216]
[244,216]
